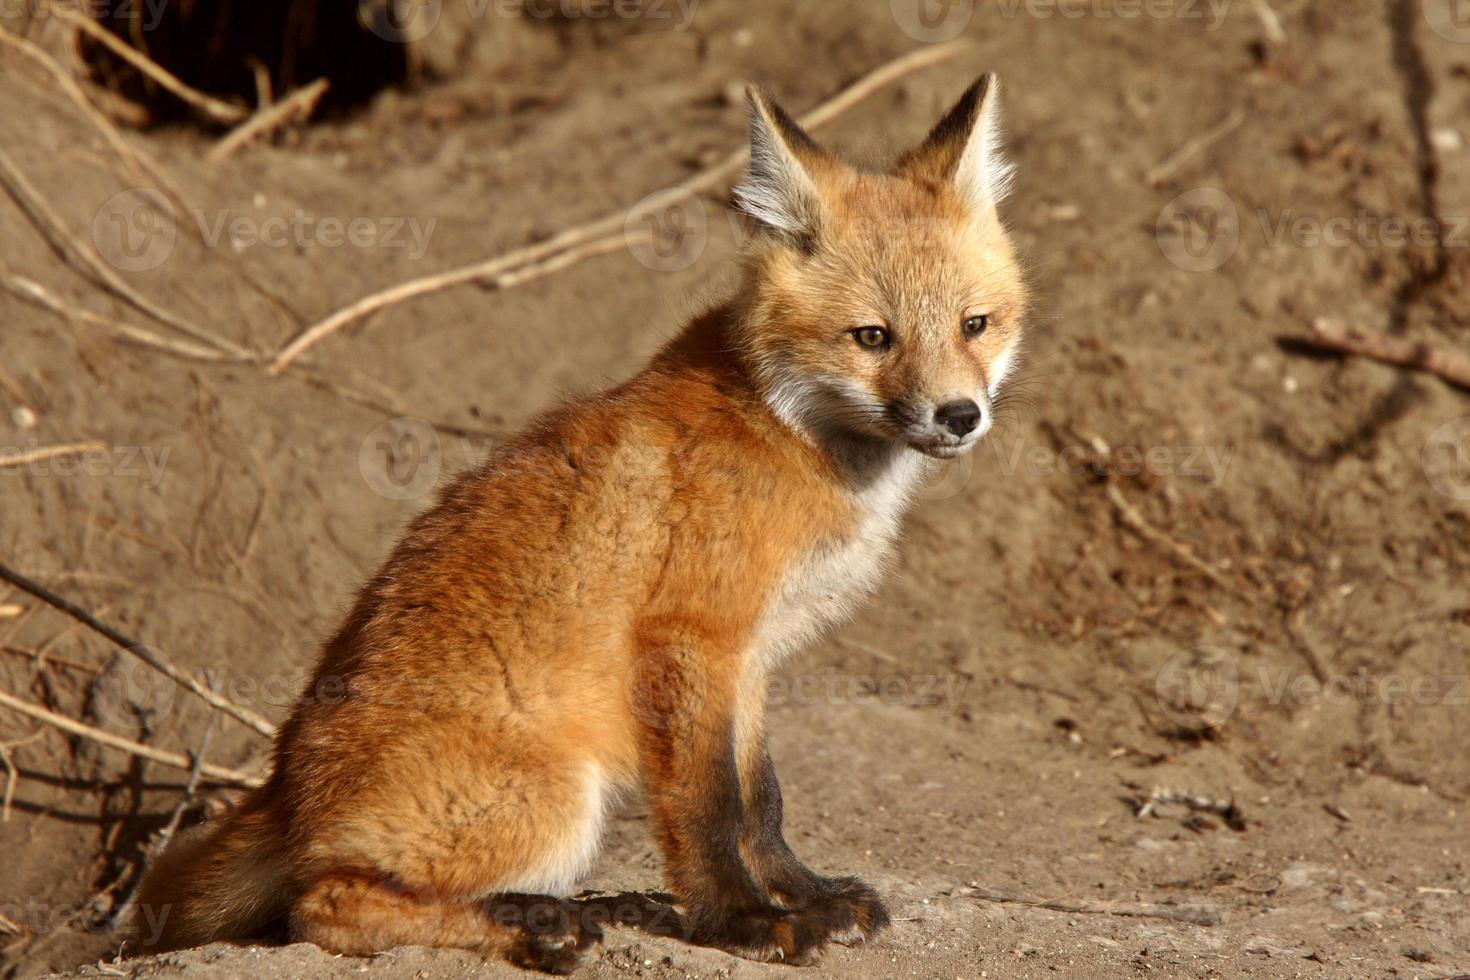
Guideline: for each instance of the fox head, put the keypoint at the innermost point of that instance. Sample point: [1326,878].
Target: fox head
[884,305]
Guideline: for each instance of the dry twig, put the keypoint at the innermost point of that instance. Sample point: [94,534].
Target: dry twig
[40,659]
[1451,366]
[1291,622]
[50,452]
[296,107]
[124,911]
[241,714]
[211,108]
[1136,522]
[191,788]
[1270,22]
[867,648]
[1198,915]
[34,293]
[219,774]
[50,226]
[607,228]
[1166,168]
[12,775]
[598,246]
[144,166]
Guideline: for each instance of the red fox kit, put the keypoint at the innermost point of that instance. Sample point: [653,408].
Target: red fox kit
[597,607]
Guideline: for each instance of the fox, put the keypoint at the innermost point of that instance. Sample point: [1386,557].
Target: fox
[596,609]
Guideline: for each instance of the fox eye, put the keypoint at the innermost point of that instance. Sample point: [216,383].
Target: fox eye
[975,325]
[873,338]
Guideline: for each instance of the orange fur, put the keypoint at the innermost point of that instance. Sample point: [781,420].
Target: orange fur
[596,607]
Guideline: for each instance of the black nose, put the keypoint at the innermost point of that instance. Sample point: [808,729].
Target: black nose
[959,417]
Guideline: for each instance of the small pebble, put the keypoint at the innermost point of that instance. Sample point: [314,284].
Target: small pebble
[1446,139]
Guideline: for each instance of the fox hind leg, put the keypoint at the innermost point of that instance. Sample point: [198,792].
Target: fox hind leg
[356,913]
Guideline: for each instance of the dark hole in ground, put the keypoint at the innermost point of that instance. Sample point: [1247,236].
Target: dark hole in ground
[223,46]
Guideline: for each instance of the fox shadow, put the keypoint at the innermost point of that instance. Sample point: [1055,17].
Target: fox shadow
[590,913]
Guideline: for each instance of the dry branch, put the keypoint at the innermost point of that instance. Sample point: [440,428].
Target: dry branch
[296,107]
[1452,366]
[599,246]
[608,226]
[12,774]
[211,108]
[1270,22]
[49,224]
[1166,168]
[34,293]
[124,910]
[191,788]
[241,714]
[1198,915]
[1140,526]
[50,452]
[219,774]
[1291,622]
[145,167]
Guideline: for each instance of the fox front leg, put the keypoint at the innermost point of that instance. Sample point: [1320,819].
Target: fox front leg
[846,908]
[684,705]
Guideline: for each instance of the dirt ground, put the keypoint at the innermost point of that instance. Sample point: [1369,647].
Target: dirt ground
[1194,559]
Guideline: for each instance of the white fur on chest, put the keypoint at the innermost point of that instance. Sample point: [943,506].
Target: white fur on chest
[826,586]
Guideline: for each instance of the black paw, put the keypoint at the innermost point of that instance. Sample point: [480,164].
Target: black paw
[850,909]
[846,908]
[767,933]
[559,955]
[555,946]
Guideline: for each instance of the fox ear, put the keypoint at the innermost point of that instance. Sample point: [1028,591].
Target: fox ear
[779,191]
[964,149]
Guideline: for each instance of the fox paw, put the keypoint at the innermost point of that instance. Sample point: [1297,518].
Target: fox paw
[769,934]
[559,951]
[560,955]
[849,909]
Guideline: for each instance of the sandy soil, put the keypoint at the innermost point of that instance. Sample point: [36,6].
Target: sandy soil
[1034,669]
